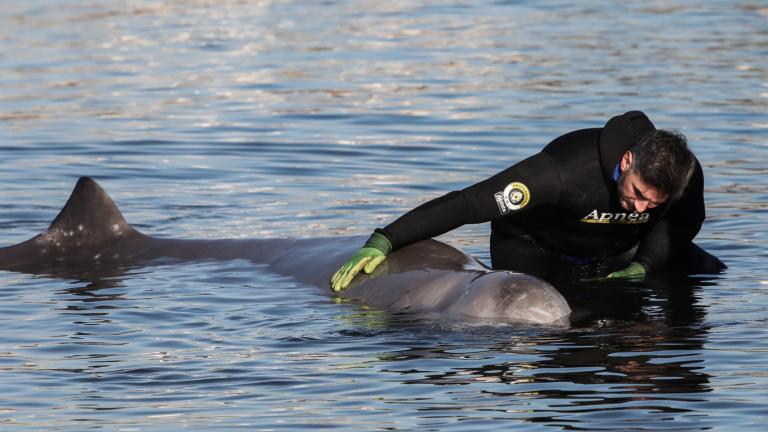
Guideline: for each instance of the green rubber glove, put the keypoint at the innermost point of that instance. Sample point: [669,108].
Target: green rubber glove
[367,258]
[633,270]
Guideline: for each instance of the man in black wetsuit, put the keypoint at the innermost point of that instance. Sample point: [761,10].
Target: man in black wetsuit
[616,201]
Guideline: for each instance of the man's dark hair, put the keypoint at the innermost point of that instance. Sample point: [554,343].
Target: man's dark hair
[662,159]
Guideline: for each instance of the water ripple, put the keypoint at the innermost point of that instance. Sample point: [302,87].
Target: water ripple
[296,119]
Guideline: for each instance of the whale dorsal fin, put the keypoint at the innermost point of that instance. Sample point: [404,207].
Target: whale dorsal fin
[89,217]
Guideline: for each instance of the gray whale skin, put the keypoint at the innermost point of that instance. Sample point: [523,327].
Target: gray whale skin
[90,233]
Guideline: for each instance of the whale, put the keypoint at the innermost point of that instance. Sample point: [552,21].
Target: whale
[91,234]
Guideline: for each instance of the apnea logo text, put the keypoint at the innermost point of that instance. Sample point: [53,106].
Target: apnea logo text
[616,218]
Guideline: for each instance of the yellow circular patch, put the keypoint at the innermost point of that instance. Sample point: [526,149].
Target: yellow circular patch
[516,195]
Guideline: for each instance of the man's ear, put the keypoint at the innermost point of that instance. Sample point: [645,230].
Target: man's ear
[626,161]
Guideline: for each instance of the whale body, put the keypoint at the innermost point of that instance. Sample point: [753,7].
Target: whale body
[91,233]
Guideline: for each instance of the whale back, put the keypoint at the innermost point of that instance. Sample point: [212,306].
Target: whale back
[90,235]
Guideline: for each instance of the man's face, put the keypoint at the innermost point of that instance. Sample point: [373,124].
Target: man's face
[634,194]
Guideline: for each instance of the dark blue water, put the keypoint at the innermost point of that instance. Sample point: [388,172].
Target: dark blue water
[305,119]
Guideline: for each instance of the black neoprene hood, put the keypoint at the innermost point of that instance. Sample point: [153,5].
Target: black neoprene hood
[619,135]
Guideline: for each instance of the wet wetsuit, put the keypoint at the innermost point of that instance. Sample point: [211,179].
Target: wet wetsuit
[558,213]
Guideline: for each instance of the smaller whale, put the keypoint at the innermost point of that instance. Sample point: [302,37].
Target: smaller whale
[90,233]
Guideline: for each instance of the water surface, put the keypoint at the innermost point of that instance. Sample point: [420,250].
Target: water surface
[303,119]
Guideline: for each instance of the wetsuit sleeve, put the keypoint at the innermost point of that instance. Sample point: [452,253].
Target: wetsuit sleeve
[525,185]
[677,228]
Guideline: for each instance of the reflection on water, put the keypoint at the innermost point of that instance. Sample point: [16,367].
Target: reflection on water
[149,333]
[306,119]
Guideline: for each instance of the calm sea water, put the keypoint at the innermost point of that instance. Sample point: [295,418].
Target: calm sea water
[211,119]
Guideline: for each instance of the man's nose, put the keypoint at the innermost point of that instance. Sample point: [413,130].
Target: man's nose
[641,205]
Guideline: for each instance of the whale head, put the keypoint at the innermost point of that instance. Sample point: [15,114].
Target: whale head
[509,296]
